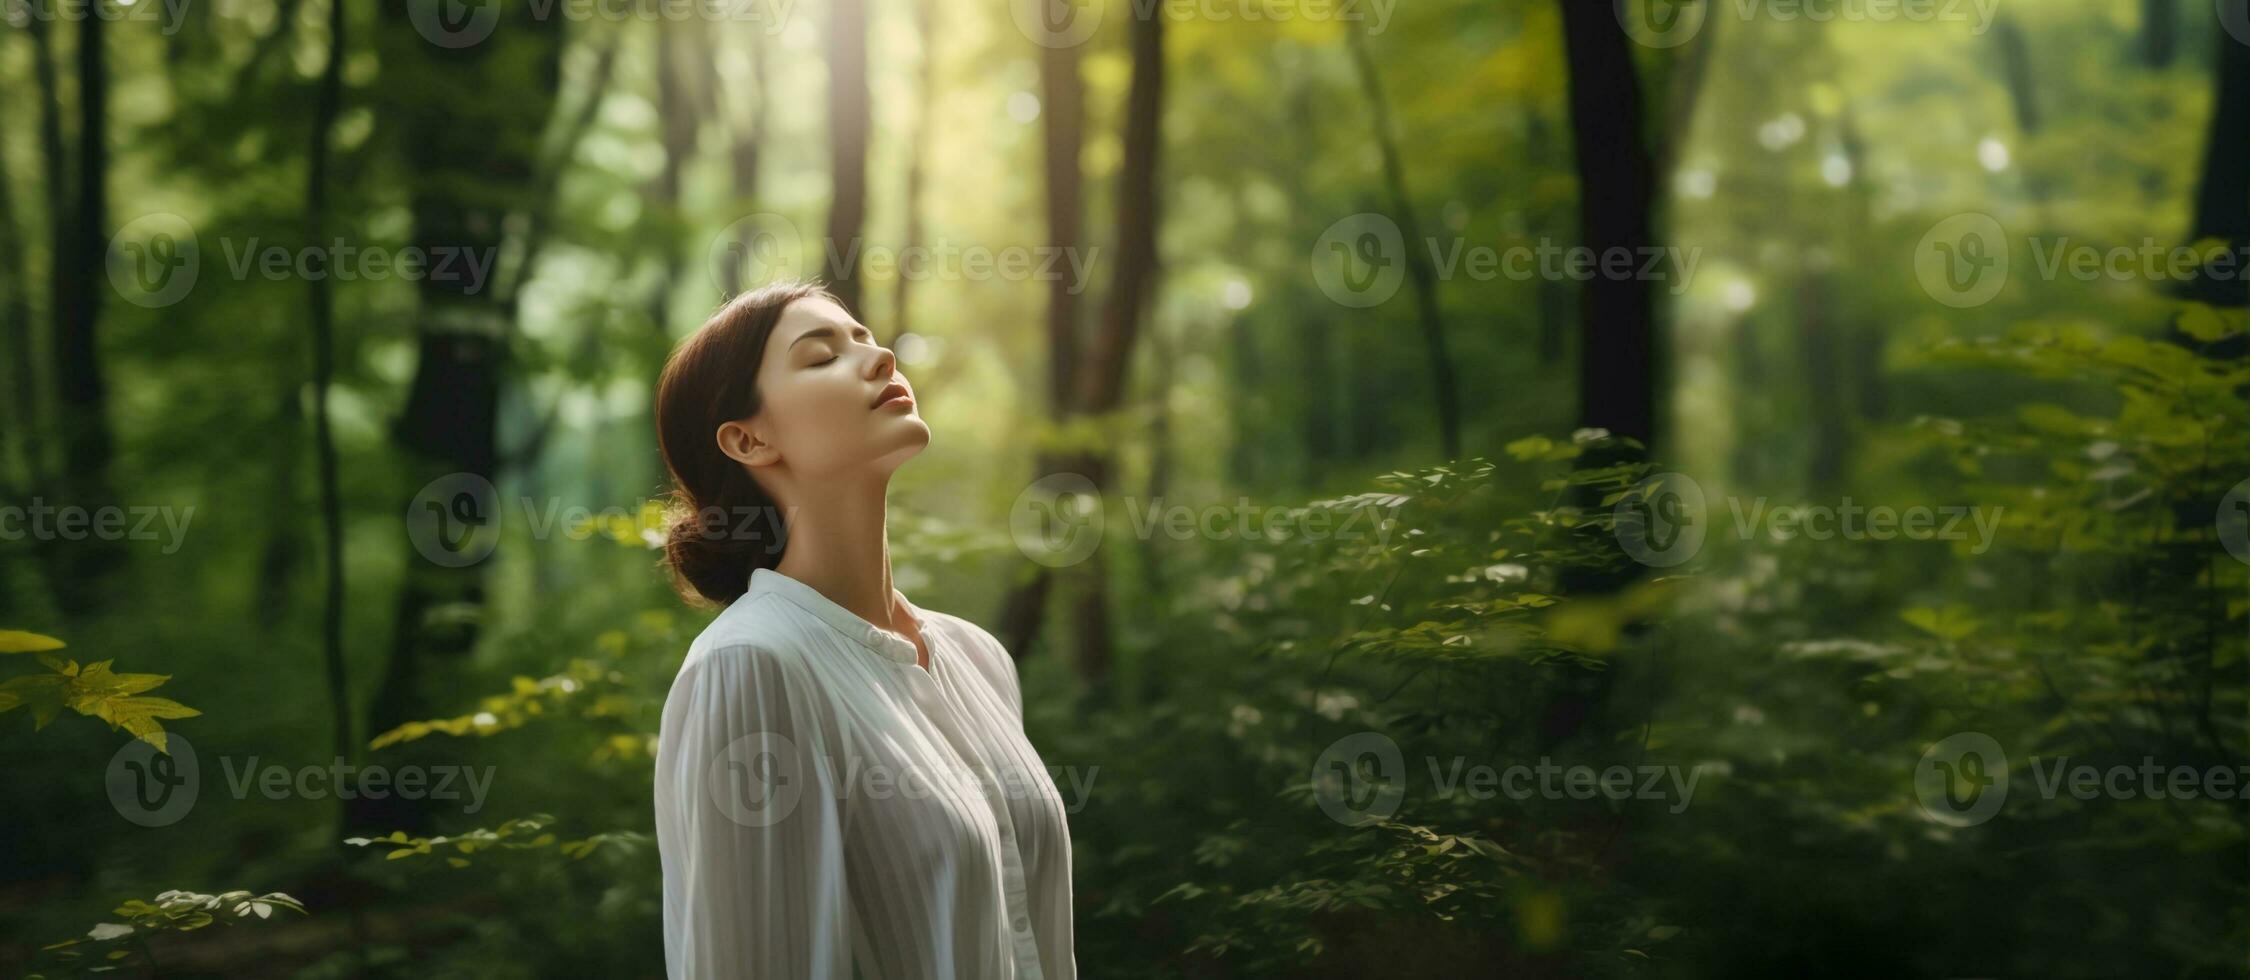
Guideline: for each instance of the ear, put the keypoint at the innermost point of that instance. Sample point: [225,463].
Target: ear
[741,442]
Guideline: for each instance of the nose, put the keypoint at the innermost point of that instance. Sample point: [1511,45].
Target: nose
[885,363]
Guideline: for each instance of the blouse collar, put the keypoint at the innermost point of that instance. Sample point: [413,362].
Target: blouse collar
[891,645]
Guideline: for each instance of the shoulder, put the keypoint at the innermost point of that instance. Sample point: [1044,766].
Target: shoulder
[991,659]
[753,653]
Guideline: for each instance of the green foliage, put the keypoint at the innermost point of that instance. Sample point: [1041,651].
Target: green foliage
[522,833]
[121,944]
[92,690]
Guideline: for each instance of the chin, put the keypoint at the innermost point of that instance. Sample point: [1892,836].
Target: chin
[904,446]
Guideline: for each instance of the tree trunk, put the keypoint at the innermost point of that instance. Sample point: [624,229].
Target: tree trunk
[1062,133]
[1094,383]
[2160,32]
[2222,197]
[917,153]
[847,149]
[1818,327]
[747,126]
[1417,258]
[54,160]
[1616,195]
[80,390]
[19,443]
[469,161]
[1110,351]
[327,104]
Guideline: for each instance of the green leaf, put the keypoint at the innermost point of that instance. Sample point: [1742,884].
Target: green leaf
[1951,623]
[18,641]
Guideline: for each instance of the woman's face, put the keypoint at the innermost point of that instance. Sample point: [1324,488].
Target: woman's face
[835,403]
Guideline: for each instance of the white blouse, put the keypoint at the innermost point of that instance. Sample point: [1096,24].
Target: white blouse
[826,809]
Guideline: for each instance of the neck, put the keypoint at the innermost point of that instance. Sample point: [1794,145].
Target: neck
[839,543]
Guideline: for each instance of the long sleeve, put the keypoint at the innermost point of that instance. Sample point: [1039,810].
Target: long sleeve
[748,824]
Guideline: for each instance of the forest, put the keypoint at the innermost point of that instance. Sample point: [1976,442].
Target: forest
[1537,489]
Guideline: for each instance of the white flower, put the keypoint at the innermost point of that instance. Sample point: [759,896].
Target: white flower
[1333,706]
[107,931]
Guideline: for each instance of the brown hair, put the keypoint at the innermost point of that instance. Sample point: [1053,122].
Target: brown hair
[723,525]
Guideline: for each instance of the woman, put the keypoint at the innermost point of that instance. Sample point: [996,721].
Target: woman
[843,786]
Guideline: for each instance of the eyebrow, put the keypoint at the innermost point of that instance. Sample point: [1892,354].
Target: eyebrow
[818,332]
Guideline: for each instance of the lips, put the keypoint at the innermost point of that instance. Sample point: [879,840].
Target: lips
[891,391]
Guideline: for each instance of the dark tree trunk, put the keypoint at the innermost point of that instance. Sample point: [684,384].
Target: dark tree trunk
[327,104]
[1062,133]
[847,148]
[471,160]
[80,391]
[2222,199]
[2160,32]
[1417,257]
[1321,393]
[19,444]
[746,127]
[1818,329]
[1110,351]
[1865,335]
[1616,195]
[917,153]
[1094,383]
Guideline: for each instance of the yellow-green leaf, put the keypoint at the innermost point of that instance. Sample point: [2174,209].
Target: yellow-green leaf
[18,641]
